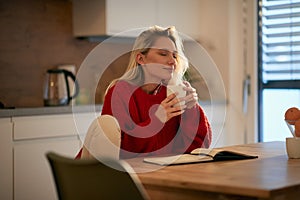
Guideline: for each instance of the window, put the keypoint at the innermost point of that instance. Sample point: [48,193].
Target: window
[279,65]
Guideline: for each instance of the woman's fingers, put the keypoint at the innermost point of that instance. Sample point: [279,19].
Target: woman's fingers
[191,99]
[172,100]
[169,108]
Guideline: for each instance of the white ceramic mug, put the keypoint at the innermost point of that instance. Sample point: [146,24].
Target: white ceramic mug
[293,147]
[179,89]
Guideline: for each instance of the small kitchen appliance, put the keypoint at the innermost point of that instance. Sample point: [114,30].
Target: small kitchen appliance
[57,86]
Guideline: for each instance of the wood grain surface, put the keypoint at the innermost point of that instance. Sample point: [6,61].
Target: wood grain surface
[271,176]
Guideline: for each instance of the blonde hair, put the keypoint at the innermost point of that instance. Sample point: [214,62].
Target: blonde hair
[134,73]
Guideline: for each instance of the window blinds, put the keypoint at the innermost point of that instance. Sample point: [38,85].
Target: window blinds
[280,32]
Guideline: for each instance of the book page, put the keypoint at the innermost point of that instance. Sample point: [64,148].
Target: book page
[222,154]
[205,151]
[178,159]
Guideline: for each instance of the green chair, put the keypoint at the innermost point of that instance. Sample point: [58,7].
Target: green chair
[91,179]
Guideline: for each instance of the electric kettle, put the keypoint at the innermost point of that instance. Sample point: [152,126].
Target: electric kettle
[57,89]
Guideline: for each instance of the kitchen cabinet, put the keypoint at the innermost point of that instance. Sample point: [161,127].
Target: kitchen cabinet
[32,174]
[184,15]
[100,17]
[47,126]
[6,157]
[33,137]
[24,140]
[136,14]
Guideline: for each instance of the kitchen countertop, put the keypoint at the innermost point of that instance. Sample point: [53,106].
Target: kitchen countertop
[51,110]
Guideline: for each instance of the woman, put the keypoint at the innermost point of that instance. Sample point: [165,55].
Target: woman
[151,122]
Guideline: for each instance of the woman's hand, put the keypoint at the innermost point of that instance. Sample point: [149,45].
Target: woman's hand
[169,108]
[191,98]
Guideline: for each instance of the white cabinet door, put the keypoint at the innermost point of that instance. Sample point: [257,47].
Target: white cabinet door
[32,174]
[6,155]
[100,17]
[49,126]
[46,126]
[33,137]
[184,15]
[125,15]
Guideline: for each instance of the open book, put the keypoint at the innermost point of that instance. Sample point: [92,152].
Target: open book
[199,155]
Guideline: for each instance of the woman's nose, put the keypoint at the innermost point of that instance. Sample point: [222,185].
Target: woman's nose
[171,60]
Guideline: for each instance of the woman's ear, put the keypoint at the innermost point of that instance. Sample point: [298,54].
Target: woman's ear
[140,58]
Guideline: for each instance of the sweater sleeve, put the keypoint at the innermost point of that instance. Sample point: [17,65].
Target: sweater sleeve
[194,131]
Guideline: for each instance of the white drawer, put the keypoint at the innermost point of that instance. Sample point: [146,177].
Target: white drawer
[45,126]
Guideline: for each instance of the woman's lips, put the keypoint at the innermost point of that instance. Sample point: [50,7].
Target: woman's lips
[170,69]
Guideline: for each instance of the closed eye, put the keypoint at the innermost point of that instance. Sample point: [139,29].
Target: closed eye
[175,55]
[166,53]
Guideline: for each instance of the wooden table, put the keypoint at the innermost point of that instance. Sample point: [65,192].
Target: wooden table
[271,176]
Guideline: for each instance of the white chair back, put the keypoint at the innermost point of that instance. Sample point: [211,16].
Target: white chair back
[103,138]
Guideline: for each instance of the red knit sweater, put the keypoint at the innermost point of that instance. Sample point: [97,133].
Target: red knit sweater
[143,134]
